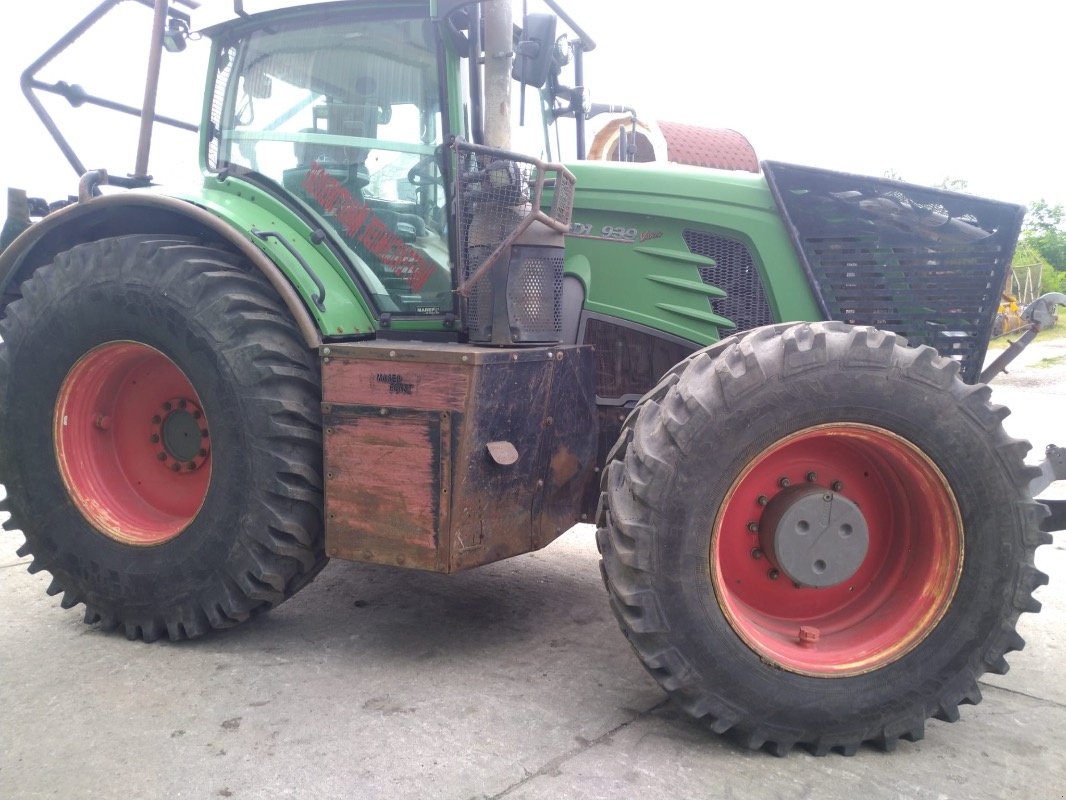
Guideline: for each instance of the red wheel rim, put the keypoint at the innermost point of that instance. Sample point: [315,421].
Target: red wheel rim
[906,579]
[132,443]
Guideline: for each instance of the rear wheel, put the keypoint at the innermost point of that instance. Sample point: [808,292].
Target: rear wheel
[814,534]
[161,433]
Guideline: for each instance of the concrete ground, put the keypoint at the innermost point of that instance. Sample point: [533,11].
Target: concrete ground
[509,681]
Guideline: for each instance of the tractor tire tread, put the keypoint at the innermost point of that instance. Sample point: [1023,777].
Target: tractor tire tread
[636,480]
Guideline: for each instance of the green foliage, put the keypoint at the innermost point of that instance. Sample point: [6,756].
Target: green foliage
[1052,280]
[1045,231]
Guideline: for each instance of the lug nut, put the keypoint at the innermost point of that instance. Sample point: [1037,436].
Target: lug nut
[756,553]
[155,438]
[773,574]
[102,421]
[836,486]
[811,477]
[783,482]
[753,526]
[162,456]
[762,500]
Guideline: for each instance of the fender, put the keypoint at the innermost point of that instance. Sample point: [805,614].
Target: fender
[120,214]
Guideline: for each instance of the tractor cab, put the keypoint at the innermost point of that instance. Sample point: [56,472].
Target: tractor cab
[341,111]
[354,114]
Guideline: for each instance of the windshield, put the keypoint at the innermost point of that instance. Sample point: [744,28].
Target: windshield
[345,114]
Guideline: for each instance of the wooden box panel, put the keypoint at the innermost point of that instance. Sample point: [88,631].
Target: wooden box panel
[410,479]
[383,481]
[397,384]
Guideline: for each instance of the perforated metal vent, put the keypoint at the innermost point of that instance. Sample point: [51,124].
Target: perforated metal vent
[534,299]
[735,273]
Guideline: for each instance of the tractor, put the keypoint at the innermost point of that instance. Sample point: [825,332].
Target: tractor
[374,331]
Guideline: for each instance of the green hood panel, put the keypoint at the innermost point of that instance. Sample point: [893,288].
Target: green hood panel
[628,245]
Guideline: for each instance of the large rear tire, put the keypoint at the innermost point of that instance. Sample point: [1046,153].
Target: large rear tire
[161,436]
[813,534]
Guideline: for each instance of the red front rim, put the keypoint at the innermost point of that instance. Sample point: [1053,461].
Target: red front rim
[132,443]
[900,591]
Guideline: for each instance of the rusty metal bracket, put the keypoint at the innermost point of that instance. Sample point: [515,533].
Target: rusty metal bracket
[1014,349]
[557,218]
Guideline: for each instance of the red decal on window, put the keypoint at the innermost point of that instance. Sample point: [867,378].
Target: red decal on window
[360,223]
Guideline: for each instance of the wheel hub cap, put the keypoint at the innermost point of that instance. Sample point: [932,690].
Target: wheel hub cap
[816,536]
[181,429]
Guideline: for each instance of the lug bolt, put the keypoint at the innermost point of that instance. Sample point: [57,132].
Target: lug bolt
[155,438]
[773,574]
[756,553]
[811,477]
[167,406]
[836,486]
[808,635]
[162,456]
[762,500]
[783,482]
[753,526]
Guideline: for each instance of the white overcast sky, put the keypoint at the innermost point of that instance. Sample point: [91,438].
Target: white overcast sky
[930,90]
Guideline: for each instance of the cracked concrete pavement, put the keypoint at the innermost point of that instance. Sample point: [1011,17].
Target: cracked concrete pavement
[511,681]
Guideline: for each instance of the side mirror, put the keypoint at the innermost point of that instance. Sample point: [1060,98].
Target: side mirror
[535,50]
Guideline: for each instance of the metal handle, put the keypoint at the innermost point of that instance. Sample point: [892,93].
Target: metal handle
[318,299]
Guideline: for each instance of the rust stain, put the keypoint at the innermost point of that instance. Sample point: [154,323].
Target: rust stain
[564,466]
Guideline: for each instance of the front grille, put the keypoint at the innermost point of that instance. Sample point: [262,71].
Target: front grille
[735,273]
[927,264]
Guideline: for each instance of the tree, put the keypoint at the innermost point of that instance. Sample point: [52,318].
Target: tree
[1045,231]
[954,184]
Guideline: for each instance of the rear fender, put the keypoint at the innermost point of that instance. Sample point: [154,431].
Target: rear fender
[131,213]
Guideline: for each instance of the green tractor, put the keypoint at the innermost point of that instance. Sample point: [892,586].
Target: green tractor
[375,332]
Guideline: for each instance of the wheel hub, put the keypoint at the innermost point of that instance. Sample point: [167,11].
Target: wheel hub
[132,444]
[803,592]
[181,429]
[817,537]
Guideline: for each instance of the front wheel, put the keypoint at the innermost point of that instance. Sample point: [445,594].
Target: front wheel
[814,534]
[161,441]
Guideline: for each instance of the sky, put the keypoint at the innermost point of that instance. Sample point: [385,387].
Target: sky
[925,90]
